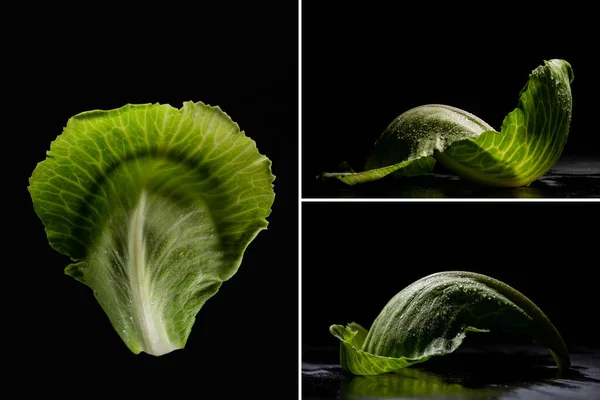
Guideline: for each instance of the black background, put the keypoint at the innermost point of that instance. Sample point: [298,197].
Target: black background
[361,68]
[363,65]
[357,255]
[241,57]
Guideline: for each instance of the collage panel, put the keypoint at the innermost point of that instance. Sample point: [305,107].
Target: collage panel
[155,215]
[403,104]
[448,300]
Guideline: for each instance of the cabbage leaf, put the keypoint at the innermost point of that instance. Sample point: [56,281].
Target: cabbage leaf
[530,142]
[155,206]
[432,316]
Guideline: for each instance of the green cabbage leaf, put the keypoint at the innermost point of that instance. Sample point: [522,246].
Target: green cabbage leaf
[155,206]
[530,142]
[432,316]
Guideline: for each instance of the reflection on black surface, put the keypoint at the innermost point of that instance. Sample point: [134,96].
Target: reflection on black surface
[410,383]
[476,375]
[570,178]
[516,372]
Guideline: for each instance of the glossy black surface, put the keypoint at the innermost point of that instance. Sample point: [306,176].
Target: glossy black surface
[473,372]
[571,178]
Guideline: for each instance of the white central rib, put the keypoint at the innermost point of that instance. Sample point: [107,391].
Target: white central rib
[154,337]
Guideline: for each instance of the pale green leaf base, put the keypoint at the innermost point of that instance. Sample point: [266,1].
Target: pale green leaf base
[359,362]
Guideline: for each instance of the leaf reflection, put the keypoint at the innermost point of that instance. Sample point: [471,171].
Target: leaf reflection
[411,382]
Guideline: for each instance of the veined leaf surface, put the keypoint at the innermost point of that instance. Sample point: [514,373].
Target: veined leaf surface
[156,206]
[432,316]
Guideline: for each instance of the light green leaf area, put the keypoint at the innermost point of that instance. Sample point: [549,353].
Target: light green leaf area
[432,316]
[356,361]
[156,206]
[532,138]
[530,142]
